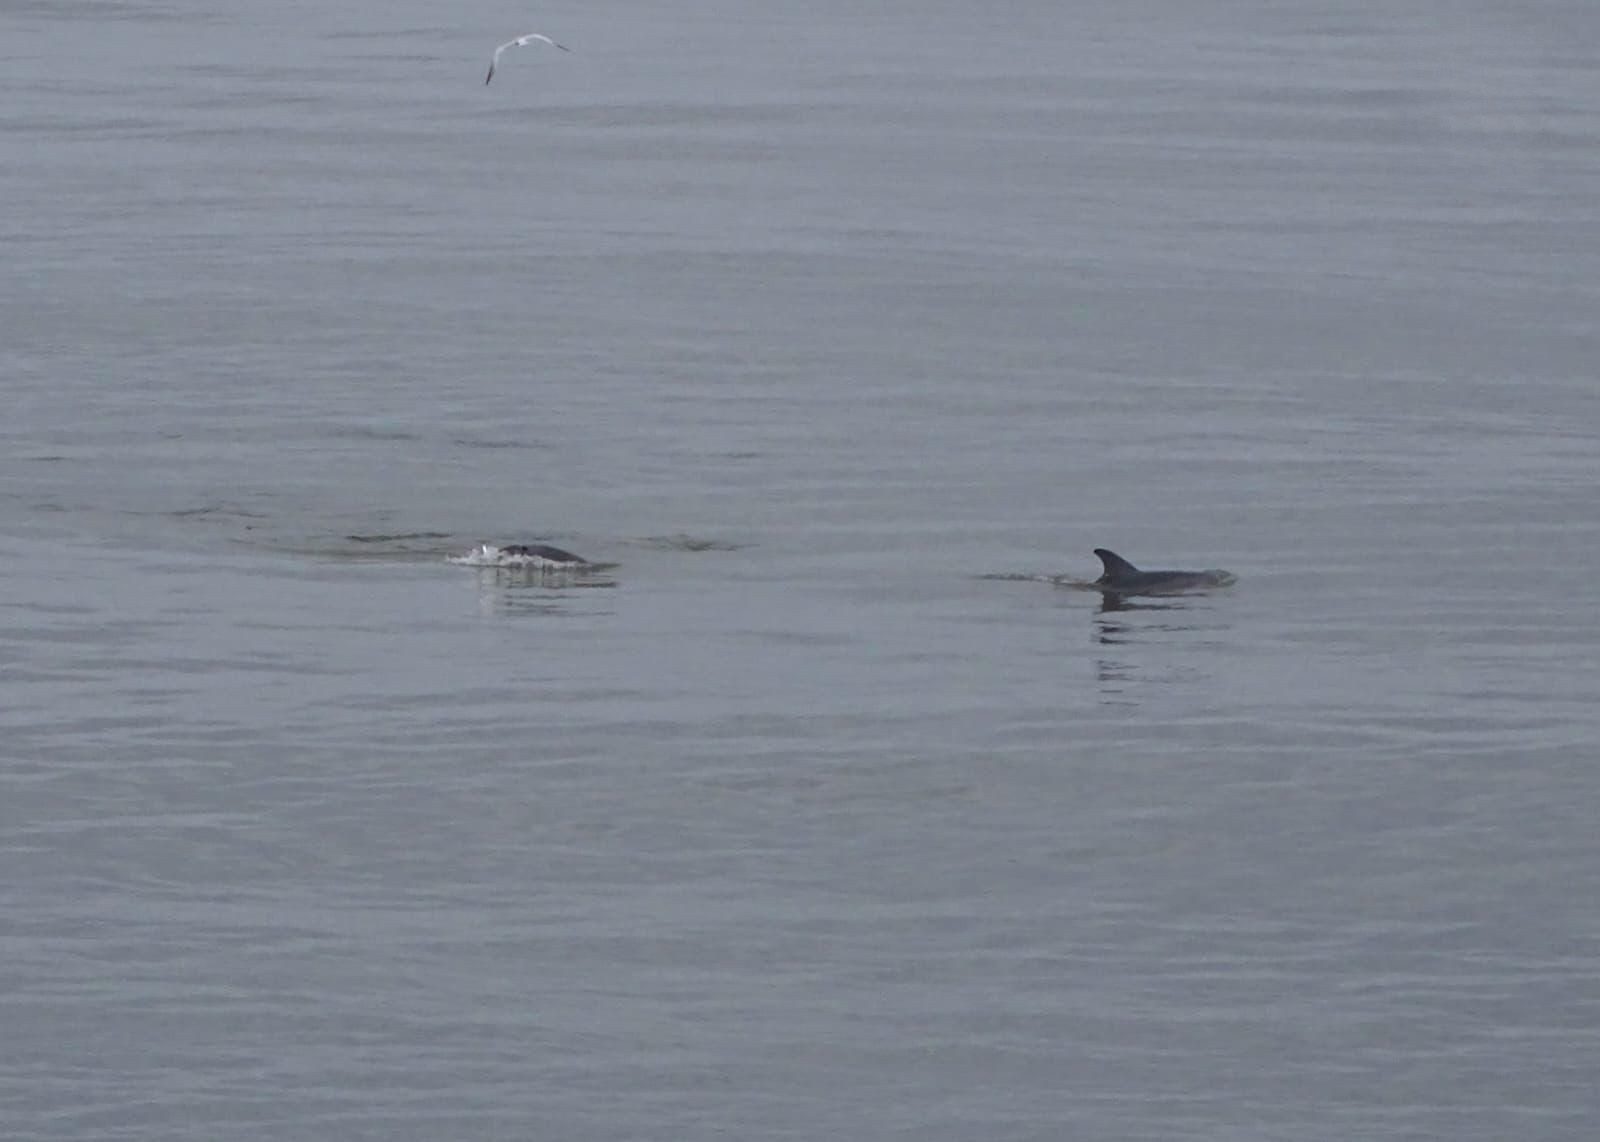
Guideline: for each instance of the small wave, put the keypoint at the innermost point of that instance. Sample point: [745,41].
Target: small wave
[475,442]
[686,543]
[214,509]
[398,537]
[372,432]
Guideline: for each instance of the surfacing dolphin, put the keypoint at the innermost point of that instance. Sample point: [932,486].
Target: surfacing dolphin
[1123,578]
[554,556]
[538,556]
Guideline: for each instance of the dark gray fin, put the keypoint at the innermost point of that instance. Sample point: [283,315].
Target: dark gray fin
[1117,568]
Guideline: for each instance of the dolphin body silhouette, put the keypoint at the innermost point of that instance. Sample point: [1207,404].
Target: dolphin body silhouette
[1123,578]
[547,555]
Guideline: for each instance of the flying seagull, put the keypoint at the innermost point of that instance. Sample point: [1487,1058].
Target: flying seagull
[520,42]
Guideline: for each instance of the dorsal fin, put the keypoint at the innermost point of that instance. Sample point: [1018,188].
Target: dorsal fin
[1116,566]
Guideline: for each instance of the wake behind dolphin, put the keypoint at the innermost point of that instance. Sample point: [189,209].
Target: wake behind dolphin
[1123,578]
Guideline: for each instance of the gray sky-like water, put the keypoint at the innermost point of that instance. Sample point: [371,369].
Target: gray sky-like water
[794,824]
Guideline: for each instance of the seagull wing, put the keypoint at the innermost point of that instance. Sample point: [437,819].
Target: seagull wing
[494,59]
[520,42]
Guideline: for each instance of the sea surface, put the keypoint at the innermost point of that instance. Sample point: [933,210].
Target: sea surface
[823,814]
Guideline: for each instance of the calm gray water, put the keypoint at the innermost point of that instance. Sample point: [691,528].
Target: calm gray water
[809,316]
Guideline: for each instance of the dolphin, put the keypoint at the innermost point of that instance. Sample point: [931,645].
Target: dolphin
[544,554]
[527,556]
[1123,578]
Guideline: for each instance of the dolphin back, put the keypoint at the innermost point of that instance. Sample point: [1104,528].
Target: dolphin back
[1123,577]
